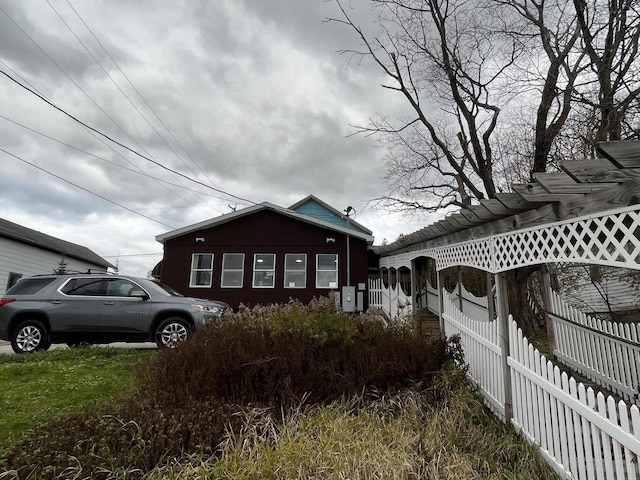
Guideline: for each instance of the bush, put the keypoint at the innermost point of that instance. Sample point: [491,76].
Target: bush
[268,357]
[278,355]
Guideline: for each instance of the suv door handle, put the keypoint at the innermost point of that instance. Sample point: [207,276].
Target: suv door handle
[56,302]
[107,303]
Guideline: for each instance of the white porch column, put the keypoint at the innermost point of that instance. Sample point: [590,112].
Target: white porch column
[502,306]
[441,302]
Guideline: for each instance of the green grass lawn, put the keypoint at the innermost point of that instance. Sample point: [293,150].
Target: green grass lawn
[41,386]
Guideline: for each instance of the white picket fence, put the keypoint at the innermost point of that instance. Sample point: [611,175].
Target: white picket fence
[581,434]
[392,300]
[608,353]
[482,351]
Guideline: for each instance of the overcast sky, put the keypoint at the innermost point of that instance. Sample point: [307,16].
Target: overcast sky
[249,97]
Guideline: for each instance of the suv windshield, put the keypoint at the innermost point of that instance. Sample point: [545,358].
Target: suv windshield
[158,288]
[29,286]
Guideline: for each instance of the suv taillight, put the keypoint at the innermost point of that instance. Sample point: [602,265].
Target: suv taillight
[4,301]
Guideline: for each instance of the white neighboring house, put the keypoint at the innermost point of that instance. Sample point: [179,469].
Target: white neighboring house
[25,252]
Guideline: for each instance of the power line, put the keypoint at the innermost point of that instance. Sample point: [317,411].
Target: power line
[138,172]
[121,144]
[138,92]
[97,62]
[84,189]
[72,81]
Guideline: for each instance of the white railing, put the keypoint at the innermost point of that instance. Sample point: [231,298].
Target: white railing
[392,300]
[482,351]
[433,300]
[605,352]
[474,307]
[581,434]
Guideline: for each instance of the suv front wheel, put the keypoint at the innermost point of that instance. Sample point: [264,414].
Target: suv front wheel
[171,332]
[29,336]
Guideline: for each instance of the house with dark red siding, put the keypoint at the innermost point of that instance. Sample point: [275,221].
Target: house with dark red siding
[269,254]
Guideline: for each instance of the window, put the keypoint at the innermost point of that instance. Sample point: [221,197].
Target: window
[29,286]
[295,270]
[13,279]
[85,287]
[232,270]
[201,270]
[264,270]
[327,270]
[121,287]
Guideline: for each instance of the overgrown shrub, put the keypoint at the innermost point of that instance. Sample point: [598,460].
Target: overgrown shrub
[277,355]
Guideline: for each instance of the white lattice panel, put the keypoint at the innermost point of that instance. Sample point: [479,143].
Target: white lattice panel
[612,238]
[476,253]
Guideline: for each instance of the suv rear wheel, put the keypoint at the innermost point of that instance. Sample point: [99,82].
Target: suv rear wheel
[30,336]
[171,332]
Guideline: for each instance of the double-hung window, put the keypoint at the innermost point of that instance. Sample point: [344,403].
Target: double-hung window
[295,270]
[201,270]
[264,270]
[327,270]
[232,270]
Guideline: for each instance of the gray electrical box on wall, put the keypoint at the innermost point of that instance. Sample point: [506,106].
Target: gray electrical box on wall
[349,299]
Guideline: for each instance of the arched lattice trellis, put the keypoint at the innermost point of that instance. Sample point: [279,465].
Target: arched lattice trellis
[609,238]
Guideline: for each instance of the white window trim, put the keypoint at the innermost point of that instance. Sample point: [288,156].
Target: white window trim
[324,270]
[304,255]
[253,273]
[210,270]
[241,270]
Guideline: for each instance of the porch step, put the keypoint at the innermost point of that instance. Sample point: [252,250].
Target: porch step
[427,323]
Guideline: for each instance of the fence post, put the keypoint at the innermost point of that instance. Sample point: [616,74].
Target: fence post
[414,285]
[546,296]
[440,275]
[460,299]
[503,333]
[491,306]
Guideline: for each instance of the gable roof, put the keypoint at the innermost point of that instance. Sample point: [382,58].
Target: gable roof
[28,236]
[222,219]
[312,205]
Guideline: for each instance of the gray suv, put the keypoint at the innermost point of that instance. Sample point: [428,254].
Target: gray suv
[91,308]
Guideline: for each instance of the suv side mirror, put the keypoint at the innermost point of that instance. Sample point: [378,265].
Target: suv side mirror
[139,294]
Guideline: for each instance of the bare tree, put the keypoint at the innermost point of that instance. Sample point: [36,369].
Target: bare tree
[459,64]
[609,37]
[549,25]
[445,65]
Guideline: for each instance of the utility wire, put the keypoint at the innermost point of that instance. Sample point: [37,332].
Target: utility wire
[138,92]
[121,144]
[84,189]
[138,172]
[70,79]
[97,62]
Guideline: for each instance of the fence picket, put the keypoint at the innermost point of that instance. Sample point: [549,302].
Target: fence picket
[587,437]
[635,425]
[580,447]
[595,435]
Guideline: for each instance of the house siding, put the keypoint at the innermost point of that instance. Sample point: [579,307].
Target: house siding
[28,260]
[262,232]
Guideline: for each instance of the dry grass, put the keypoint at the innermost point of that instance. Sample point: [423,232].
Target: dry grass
[393,437]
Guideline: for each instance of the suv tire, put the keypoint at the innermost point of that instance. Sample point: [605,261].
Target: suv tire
[171,332]
[30,336]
